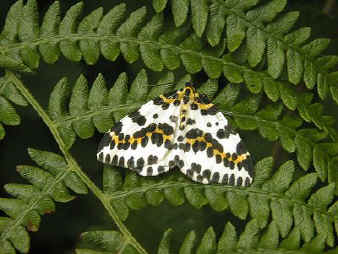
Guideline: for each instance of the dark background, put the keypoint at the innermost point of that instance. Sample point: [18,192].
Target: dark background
[60,231]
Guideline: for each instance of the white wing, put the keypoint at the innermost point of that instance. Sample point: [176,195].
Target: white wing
[143,140]
[213,152]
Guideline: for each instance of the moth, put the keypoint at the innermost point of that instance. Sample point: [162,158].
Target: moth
[183,131]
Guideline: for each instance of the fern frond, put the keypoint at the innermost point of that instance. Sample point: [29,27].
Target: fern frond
[8,95]
[48,183]
[268,36]
[248,42]
[104,241]
[278,195]
[284,49]
[114,33]
[253,239]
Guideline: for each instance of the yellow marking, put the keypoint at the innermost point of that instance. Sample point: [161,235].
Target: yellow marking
[167,100]
[204,106]
[239,158]
[132,140]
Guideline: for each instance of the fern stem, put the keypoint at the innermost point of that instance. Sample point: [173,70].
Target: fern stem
[240,190]
[159,45]
[73,165]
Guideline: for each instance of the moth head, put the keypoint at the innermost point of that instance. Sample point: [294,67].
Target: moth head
[188,84]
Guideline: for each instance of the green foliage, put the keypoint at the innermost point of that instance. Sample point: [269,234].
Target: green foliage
[102,242]
[288,201]
[8,95]
[48,183]
[260,27]
[277,83]
[251,240]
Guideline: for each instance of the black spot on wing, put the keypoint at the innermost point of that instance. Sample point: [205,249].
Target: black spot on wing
[195,147]
[165,106]
[218,159]
[194,133]
[240,149]
[121,162]
[131,163]
[151,127]
[144,141]
[215,177]
[206,173]
[157,138]
[210,152]
[225,179]
[105,141]
[158,101]
[166,128]
[117,127]
[141,133]
[179,163]
[100,158]
[221,134]
[133,146]
[196,167]
[232,179]
[140,163]
[234,156]
[167,144]
[136,117]
[193,106]
[115,160]
[239,181]
[202,146]
[248,166]
[152,159]
[191,121]
[121,136]
[247,181]
[107,159]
